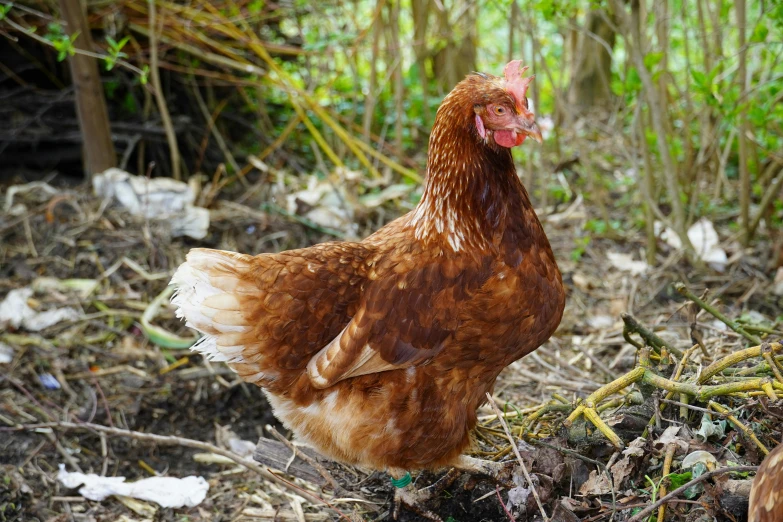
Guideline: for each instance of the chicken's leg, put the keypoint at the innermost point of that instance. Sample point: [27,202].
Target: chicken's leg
[405,493]
[500,472]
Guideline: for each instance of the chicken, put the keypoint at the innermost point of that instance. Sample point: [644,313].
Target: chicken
[766,494]
[377,353]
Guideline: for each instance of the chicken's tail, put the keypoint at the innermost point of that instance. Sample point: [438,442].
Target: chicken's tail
[211,296]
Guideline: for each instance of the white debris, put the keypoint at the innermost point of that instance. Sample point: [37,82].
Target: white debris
[19,209]
[156,198]
[704,239]
[330,205]
[600,322]
[626,263]
[546,125]
[168,492]
[777,288]
[392,192]
[6,353]
[700,457]
[15,311]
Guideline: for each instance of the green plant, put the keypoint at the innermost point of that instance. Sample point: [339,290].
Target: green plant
[4,9]
[115,52]
[580,244]
[61,42]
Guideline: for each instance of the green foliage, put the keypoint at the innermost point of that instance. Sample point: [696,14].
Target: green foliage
[114,52]
[4,9]
[560,193]
[739,474]
[653,492]
[600,227]
[696,76]
[145,74]
[580,245]
[61,42]
[679,479]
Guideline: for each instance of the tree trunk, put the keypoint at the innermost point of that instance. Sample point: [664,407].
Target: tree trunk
[98,151]
[421,11]
[393,48]
[744,174]
[591,83]
[456,58]
[372,95]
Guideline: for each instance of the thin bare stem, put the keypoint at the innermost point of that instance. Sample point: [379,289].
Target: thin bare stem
[516,452]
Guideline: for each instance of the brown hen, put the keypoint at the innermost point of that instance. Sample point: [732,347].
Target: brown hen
[377,353]
[766,494]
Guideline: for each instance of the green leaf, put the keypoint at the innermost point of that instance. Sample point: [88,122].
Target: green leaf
[699,78]
[157,334]
[760,33]
[652,59]
[4,9]
[678,479]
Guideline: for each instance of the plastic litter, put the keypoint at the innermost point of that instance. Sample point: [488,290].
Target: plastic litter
[168,492]
[162,199]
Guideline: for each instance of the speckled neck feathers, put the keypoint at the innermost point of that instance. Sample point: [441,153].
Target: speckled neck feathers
[471,189]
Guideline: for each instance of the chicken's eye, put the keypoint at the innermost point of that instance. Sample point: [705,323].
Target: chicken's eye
[500,111]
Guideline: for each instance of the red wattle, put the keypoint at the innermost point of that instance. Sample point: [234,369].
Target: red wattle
[507,138]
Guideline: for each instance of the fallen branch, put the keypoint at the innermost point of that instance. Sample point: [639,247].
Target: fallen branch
[682,289]
[634,326]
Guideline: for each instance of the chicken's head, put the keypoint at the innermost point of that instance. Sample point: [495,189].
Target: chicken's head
[502,114]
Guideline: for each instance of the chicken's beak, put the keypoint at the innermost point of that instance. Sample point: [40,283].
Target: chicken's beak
[530,129]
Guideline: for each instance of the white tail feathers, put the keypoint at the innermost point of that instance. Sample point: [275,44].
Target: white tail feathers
[209,289]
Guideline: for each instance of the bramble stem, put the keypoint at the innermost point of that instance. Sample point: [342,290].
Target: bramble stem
[634,326]
[682,289]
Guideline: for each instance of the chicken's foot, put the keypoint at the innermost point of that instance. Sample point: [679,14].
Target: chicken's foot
[413,498]
[500,472]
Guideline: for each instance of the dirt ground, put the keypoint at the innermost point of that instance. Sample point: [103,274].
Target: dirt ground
[100,368]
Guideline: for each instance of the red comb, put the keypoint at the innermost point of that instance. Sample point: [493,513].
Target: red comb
[517,85]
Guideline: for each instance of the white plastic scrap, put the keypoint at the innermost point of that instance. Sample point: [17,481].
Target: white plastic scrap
[626,263]
[168,492]
[6,353]
[156,198]
[15,311]
[332,205]
[704,239]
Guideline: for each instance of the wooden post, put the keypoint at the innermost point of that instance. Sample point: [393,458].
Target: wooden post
[98,148]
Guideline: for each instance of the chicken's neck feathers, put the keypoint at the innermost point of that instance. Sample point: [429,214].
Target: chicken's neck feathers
[472,191]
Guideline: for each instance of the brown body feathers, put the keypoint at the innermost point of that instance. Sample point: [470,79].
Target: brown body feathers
[766,494]
[379,352]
